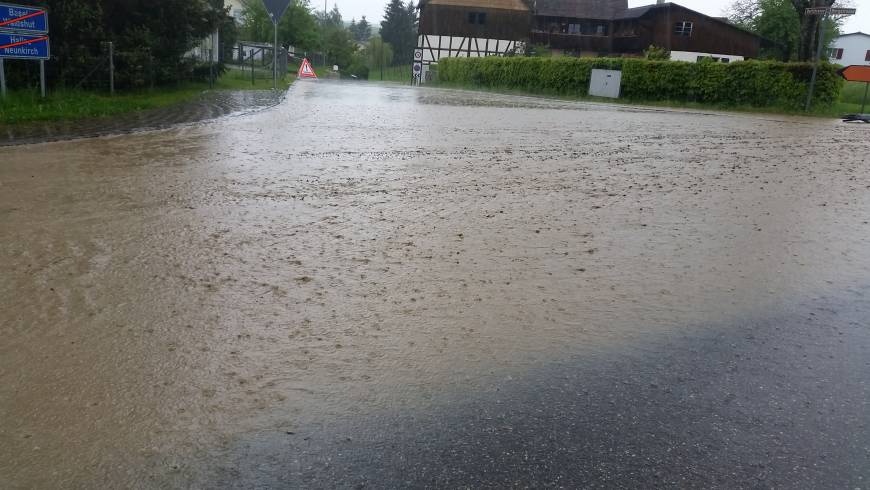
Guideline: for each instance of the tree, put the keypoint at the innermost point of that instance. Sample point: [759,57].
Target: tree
[362,30]
[298,27]
[655,53]
[774,20]
[379,55]
[336,41]
[399,28]
[150,38]
[794,34]
[809,27]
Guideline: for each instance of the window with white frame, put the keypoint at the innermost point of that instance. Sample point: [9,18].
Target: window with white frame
[683,28]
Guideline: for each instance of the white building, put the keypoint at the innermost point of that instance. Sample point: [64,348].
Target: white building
[236,9]
[851,49]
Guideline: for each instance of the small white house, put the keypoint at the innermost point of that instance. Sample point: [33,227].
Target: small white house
[693,57]
[236,9]
[851,49]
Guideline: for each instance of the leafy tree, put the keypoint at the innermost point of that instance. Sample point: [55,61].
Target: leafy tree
[655,53]
[336,41]
[150,38]
[379,55]
[298,27]
[793,34]
[774,20]
[399,29]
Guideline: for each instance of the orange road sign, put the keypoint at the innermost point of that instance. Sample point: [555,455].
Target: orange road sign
[306,71]
[856,73]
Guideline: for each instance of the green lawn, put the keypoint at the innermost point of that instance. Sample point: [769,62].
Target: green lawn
[391,74]
[27,105]
[853,94]
[850,101]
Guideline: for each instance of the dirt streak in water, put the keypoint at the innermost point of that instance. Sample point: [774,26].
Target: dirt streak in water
[361,247]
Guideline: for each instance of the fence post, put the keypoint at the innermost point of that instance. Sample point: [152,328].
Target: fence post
[275,59]
[211,68]
[253,81]
[2,79]
[111,68]
[42,76]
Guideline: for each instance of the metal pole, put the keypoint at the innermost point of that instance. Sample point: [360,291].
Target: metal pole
[821,43]
[863,104]
[252,68]
[275,59]
[211,68]
[42,76]
[111,68]
[2,79]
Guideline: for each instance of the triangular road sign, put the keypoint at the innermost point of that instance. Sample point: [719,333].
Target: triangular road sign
[306,71]
[276,8]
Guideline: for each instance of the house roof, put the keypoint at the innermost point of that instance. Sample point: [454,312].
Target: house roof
[581,9]
[488,4]
[859,33]
[638,12]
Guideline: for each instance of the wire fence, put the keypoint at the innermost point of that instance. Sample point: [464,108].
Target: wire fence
[100,67]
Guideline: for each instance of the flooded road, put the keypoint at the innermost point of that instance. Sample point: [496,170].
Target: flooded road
[382,286]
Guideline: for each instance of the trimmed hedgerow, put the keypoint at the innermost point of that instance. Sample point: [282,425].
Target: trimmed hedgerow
[743,83]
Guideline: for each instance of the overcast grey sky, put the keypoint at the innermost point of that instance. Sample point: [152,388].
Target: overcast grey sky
[374,9]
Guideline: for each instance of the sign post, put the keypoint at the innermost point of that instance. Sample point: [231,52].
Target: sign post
[24,36]
[822,13]
[276,9]
[417,68]
[111,68]
[2,79]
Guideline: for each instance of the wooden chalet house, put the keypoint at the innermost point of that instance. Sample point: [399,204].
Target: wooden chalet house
[610,28]
[471,28]
[578,27]
[476,28]
[687,34]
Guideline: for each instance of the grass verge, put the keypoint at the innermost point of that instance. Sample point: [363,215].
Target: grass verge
[846,105]
[22,106]
[391,74]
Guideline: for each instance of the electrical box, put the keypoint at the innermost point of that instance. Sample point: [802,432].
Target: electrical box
[605,83]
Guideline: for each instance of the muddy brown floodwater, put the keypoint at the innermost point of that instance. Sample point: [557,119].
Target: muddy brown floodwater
[226,303]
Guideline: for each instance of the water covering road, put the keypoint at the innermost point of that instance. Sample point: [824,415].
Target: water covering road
[382,286]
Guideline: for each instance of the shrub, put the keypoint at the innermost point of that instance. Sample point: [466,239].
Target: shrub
[744,83]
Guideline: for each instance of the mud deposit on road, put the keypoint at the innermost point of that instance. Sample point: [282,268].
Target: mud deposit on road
[175,305]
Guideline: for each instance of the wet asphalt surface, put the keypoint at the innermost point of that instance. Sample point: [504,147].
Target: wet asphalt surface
[374,286]
[778,402]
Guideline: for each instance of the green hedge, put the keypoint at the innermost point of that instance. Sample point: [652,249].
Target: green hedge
[744,83]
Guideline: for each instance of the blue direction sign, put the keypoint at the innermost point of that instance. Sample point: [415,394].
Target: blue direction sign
[23,19]
[24,46]
[276,8]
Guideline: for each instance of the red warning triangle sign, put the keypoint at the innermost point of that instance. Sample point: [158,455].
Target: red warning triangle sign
[306,71]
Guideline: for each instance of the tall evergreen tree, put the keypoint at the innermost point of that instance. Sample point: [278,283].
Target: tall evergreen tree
[363,30]
[399,29]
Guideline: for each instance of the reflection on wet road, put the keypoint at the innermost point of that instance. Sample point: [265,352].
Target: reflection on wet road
[387,287]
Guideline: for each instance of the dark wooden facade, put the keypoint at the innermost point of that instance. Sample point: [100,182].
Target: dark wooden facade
[665,26]
[631,31]
[485,19]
